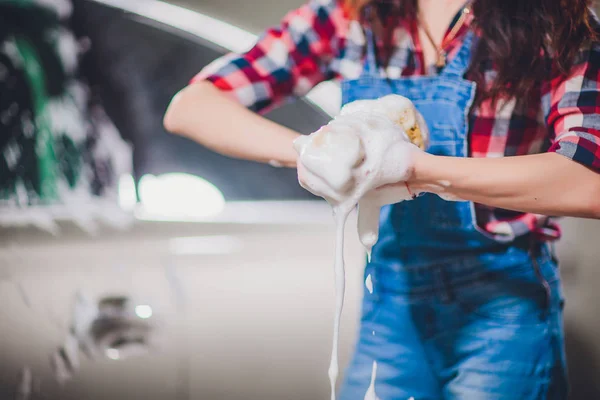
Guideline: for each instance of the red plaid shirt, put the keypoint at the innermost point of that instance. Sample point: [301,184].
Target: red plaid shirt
[318,42]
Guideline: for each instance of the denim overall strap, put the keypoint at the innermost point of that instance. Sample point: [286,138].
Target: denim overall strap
[459,65]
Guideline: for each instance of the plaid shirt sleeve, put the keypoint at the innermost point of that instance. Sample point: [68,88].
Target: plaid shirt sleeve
[287,61]
[573,105]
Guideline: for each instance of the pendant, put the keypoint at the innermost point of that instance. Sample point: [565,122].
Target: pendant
[441,60]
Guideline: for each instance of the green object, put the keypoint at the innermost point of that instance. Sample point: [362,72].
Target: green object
[59,152]
[44,147]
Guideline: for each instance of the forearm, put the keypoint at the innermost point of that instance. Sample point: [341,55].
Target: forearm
[547,184]
[204,114]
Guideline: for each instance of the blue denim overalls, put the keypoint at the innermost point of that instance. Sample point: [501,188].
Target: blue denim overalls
[454,314]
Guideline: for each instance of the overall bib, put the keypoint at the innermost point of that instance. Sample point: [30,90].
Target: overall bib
[454,314]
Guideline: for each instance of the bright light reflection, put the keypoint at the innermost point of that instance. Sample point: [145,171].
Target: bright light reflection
[205,245]
[127,195]
[221,33]
[179,196]
[143,311]
[327,96]
[113,354]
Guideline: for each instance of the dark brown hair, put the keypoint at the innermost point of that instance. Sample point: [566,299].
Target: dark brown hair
[523,39]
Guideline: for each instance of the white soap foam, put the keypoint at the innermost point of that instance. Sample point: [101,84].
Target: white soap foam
[369,284]
[275,164]
[340,285]
[345,162]
[371,395]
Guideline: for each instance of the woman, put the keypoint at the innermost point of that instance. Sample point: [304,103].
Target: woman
[467,301]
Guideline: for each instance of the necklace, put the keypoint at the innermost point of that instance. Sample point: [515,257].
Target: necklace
[441,53]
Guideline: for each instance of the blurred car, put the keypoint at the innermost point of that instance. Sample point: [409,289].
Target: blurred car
[221,288]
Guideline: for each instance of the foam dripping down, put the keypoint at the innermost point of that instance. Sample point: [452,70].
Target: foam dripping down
[371,395]
[340,288]
[369,283]
[347,162]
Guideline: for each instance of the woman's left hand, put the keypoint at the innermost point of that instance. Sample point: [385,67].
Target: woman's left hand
[545,184]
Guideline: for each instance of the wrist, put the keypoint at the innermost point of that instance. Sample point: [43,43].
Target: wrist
[421,178]
[287,157]
[416,178]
